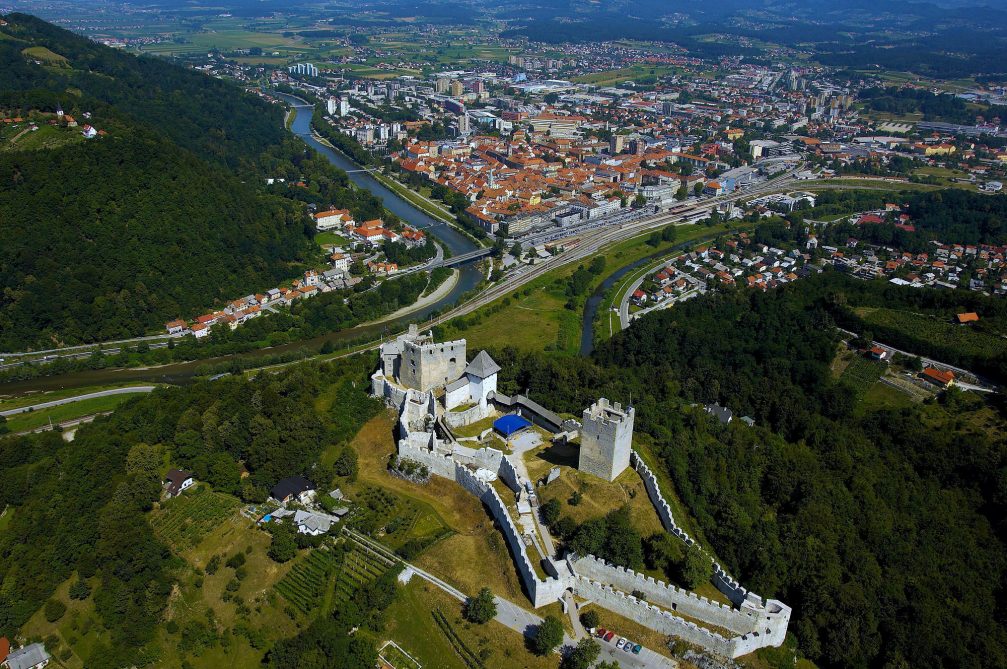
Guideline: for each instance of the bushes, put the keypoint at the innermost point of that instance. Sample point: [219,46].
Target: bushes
[80,590]
[54,610]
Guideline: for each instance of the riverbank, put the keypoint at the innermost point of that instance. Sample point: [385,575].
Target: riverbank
[440,293]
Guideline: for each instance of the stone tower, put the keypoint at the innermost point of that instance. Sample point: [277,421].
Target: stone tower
[426,366]
[606,439]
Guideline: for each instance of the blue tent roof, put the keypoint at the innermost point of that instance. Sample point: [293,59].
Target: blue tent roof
[508,425]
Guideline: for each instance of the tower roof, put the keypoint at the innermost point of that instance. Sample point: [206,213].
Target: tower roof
[482,366]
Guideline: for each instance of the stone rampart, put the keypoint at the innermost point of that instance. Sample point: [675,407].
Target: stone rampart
[727,585]
[665,595]
[456,419]
[442,465]
[651,616]
[540,592]
[509,474]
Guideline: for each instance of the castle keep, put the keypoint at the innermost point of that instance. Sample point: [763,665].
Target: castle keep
[606,439]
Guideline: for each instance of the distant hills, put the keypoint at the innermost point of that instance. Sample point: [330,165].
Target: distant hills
[155,218]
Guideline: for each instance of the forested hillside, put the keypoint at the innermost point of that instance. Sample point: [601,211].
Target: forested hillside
[83,506]
[106,239]
[884,529]
[164,215]
[211,117]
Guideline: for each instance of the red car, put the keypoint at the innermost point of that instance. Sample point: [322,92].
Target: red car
[609,636]
[601,632]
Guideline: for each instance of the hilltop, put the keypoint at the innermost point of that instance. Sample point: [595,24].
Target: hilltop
[162,213]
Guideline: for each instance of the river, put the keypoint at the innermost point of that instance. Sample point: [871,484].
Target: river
[183,372]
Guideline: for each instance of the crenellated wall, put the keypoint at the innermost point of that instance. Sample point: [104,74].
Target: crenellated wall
[651,616]
[665,595]
[455,419]
[509,475]
[727,585]
[540,592]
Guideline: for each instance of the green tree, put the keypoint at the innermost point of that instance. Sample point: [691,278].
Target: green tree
[590,619]
[696,568]
[482,608]
[698,188]
[547,636]
[80,590]
[54,610]
[550,512]
[582,656]
[284,545]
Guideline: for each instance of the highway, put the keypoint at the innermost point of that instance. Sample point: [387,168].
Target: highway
[69,400]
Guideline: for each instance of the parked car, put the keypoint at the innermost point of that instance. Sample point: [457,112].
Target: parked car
[636,649]
[628,647]
[602,632]
[608,636]
[620,643]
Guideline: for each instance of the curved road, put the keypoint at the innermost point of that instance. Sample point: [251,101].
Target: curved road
[78,398]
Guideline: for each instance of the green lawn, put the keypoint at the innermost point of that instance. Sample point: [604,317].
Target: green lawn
[35,419]
[5,518]
[882,396]
[328,238]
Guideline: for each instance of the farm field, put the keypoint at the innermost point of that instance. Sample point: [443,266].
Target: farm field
[310,579]
[44,55]
[861,374]
[933,329]
[412,625]
[182,522]
[634,73]
[45,138]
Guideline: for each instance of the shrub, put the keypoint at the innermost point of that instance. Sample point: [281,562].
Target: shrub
[54,610]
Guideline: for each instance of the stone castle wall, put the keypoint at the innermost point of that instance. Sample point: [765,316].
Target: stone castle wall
[509,475]
[665,595]
[540,592]
[651,616]
[456,419]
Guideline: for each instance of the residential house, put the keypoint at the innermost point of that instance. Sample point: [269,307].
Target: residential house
[28,657]
[176,327]
[176,481]
[939,377]
[293,488]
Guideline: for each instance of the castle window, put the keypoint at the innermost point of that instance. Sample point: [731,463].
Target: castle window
[453,360]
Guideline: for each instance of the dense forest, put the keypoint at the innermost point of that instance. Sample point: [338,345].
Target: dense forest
[883,528]
[158,219]
[81,505]
[129,232]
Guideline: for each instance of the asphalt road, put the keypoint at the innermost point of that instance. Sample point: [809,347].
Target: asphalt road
[78,398]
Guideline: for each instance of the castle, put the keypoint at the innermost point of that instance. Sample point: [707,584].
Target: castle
[436,391]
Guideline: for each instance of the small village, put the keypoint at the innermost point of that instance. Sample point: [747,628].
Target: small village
[365,238]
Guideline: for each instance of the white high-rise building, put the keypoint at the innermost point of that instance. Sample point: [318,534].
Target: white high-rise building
[331,106]
[344,106]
